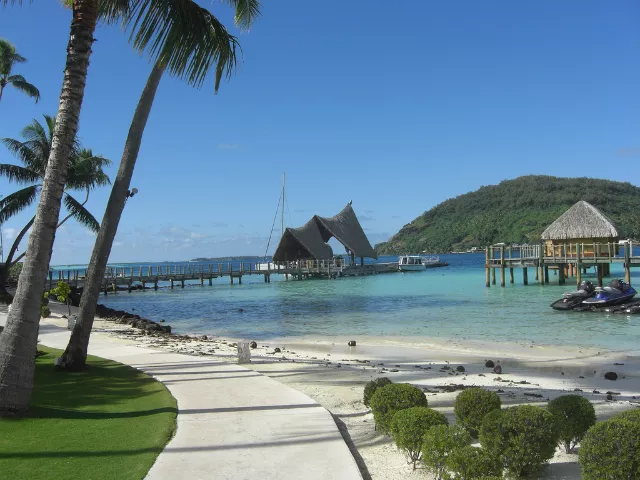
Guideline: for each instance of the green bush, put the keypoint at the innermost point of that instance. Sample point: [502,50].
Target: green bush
[472,405]
[439,442]
[611,450]
[45,311]
[471,463]
[391,399]
[633,415]
[408,426]
[371,387]
[574,416]
[522,438]
[63,294]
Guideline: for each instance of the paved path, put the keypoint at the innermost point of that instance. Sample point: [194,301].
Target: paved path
[233,423]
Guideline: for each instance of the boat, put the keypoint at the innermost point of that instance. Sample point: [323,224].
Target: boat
[616,293]
[573,299]
[418,263]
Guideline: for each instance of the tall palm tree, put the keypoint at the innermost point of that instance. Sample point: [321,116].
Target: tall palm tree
[85,173]
[8,58]
[221,52]
[151,24]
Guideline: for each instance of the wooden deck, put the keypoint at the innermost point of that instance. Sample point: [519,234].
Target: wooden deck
[569,260]
[133,278]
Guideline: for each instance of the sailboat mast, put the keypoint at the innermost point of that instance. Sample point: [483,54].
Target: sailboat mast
[282,211]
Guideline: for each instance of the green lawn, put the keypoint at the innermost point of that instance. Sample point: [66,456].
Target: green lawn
[109,422]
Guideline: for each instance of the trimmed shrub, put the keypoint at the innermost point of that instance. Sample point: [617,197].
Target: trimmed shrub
[632,415]
[371,387]
[574,416]
[611,450]
[470,463]
[408,426]
[522,438]
[472,405]
[388,400]
[45,311]
[439,442]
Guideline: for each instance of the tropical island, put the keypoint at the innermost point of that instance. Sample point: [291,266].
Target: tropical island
[514,211]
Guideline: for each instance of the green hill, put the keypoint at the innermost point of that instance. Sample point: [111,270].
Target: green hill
[514,211]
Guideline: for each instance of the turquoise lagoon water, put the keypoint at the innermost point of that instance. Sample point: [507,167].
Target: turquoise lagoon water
[450,302]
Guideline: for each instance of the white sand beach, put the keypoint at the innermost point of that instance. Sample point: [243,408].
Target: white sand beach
[334,375]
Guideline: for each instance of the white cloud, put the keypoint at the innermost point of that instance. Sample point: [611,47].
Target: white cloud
[9,233]
[228,146]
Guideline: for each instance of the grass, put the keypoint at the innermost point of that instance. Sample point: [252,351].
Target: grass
[108,422]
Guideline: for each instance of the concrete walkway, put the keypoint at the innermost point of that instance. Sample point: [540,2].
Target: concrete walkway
[233,423]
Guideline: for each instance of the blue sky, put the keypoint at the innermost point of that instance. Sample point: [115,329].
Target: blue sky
[396,105]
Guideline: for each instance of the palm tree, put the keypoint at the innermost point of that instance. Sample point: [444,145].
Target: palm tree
[8,58]
[85,173]
[163,27]
[221,52]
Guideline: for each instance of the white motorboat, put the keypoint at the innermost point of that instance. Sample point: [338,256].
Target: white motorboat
[417,263]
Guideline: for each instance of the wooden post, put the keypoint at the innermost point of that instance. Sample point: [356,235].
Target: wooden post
[155,284]
[599,269]
[210,281]
[114,286]
[182,282]
[129,282]
[536,271]
[240,279]
[487,269]
[171,282]
[561,274]
[493,276]
[525,276]
[502,272]
[578,265]
[627,262]
[546,274]
[511,275]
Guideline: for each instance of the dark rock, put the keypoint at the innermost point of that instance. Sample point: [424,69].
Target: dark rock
[446,367]
[460,368]
[609,396]
[253,345]
[577,389]
[204,337]
[611,376]
[393,370]
[162,321]
[531,394]
[613,393]
[276,350]
[352,343]
[596,391]
[618,363]
[489,364]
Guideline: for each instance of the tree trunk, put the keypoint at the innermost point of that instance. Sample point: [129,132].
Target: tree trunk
[19,339]
[75,355]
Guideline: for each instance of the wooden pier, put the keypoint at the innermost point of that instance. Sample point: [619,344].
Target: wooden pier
[566,261]
[133,278]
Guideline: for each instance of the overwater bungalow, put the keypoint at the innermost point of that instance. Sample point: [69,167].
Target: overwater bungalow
[309,242]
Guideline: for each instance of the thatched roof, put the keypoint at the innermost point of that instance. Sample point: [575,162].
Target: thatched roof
[347,230]
[583,220]
[305,242]
[310,240]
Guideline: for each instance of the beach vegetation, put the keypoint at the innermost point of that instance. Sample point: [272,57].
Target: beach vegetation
[86,172]
[574,415]
[392,398]
[109,422]
[632,415]
[180,37]
[472,405]
[62,291]
[514,211]
[371,387]
[610,450]
[209,47]
[521,438]
[471,463]
[438,443]
[9,58]
[409,426]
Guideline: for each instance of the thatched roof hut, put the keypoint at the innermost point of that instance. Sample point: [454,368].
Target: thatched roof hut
[581,221]
[310,240]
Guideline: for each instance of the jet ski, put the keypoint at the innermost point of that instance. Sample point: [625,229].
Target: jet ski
[571,300]
[616,293]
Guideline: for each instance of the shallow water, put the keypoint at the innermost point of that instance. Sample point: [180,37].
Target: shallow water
[450,302]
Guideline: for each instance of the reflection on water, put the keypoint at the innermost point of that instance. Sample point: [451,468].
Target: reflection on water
[448,302]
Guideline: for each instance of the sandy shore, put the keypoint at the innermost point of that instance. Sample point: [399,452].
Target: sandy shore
[334,374]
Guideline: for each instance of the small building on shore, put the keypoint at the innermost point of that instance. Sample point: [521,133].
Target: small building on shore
[583,225]
[309,242]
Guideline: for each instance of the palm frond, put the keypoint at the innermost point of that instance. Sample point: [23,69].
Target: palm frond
[23,152]
[81,214]
[17,201]
[86,170]
[17,174]
[184,37]
[19,83]
[246,12]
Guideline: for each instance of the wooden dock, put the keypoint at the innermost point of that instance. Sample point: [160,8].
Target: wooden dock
[570,260]
[140,277]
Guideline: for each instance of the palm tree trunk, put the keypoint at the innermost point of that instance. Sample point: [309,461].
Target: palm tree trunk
[6,267]
[75,355]
[18,340]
